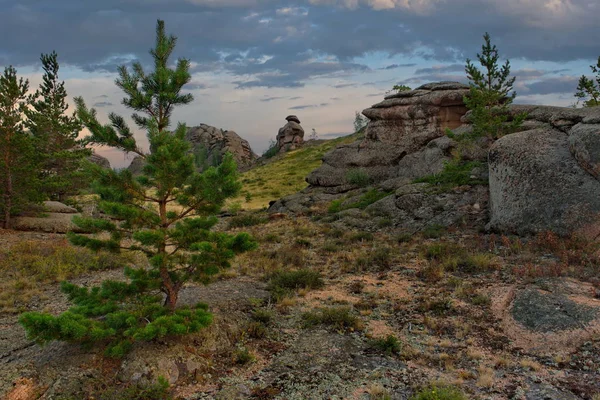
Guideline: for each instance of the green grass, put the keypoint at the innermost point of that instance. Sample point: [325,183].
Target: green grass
[283,283]
[370,197]
[285,173]
[390,345]
[455,173]
[440,393]
[336,317]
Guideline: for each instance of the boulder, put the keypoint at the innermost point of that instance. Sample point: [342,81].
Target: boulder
[536,185]
[58,207]
[291,135]
[99,160]
[56,218]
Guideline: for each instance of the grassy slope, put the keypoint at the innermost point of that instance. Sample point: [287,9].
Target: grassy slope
[284,174]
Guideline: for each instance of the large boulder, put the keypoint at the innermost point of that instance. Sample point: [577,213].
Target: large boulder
[291,135]
[55,217]
[546,178]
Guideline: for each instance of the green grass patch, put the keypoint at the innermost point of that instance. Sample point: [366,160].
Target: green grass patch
[439,393]
[389,345]
[358,177]
[455,173]
[283,283]
[246,220]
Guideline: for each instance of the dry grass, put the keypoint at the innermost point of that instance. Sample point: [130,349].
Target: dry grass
[28,266]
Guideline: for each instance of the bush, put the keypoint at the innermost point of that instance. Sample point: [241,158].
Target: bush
[380,259]
[282,283]
[272,150]
[434,231]
[337,317]
[455,173]
[246,220]
[358,177]
[439,393]
[390,345]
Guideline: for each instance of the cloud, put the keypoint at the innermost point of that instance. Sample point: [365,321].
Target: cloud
[101,104]
[396,66]
[273,98]
[304,107]
[439,69]
[553,85]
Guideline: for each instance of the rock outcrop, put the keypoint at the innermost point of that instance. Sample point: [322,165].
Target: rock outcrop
[210,144]
[214,143]
[400,140]
[547,176]
[291,135]
[99,160]
[404,140]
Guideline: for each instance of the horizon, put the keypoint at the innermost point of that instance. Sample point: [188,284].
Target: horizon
[254,62]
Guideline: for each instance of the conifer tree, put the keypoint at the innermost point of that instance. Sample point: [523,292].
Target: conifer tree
[588,89]
[167,213]
[17,170]
[60,153]
[490,94]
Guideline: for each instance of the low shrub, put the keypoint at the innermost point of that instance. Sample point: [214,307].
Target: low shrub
[154,391]
[337,317]
[246,220]
[358,177]
[379,259]
[283,283]
[389,345]
[439,393]
[434,231]
[455,173]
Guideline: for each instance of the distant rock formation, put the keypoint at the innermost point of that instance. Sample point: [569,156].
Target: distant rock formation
[210,144]
[99,160]
[291,135]
[57,218]
[217,142]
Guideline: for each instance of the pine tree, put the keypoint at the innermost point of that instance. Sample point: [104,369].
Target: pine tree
[490,94]
[167,213]
[60,153]
[588,91]
[17,171]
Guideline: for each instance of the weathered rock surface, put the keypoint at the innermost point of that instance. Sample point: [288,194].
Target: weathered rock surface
[291,135]
[404,125]
[546,178]
[210,144]
[99,160]
[217,142]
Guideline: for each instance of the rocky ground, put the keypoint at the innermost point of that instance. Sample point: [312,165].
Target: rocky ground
[497,317]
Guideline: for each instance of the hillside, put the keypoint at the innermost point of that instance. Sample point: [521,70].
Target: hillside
[284,174]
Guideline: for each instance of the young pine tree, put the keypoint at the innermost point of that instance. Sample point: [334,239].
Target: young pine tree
[491,93]
[17,170]
[167,213]
[60,153]
[588,91]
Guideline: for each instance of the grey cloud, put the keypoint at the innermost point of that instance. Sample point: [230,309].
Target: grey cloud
[101,104]
[396,66]
[267,99]
[296,98]
[563,84]
[102,96]
[440,69]
[303,107]
[233,36]
[345,85]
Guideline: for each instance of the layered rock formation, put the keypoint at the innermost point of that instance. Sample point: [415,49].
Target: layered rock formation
[210,144]
[291,135]
[400,140]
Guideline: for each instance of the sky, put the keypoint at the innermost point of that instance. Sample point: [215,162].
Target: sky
[254,62]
